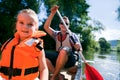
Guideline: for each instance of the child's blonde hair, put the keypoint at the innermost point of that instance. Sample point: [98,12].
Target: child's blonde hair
[31,13]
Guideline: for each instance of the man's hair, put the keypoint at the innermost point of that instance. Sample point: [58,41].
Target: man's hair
[66,18]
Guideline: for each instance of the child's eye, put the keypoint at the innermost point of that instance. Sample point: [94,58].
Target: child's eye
[21,22]
[30,25]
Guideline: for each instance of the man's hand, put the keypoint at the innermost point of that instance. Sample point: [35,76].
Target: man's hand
[54,9]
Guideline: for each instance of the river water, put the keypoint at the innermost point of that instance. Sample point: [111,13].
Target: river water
[108,64]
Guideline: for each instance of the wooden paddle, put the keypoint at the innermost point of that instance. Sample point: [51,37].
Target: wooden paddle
[79,69]
[90,72]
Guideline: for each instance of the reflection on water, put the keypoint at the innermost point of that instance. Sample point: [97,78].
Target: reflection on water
[108,65]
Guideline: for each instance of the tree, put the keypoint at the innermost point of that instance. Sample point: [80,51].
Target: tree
[118,10]
[118,46]
[104,45]
[8,10]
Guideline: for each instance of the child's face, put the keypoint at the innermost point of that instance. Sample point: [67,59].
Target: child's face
[25,25]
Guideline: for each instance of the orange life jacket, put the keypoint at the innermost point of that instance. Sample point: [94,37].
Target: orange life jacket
[19,61]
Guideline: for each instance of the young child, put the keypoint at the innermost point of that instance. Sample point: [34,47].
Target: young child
[23,55]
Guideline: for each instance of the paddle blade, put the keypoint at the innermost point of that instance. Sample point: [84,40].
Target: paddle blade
[91,73]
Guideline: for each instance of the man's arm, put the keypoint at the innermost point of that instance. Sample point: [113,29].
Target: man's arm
[76,42]
[47,24]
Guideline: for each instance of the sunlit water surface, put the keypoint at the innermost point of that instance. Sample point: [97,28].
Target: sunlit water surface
[108,65]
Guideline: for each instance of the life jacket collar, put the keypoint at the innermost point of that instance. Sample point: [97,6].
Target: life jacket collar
[39,34]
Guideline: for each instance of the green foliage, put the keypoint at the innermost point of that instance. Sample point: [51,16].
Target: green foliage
[8,12]
[118,10]
[104,45]
[118,46]
[118,49]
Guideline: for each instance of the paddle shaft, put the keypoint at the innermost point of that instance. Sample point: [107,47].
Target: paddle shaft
[69,32]
[92,71]
[63,22]
[79,71]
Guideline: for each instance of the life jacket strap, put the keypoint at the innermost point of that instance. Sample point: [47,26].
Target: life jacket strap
[39,45]
[6,44]
[31,70]
[17,72]
[9,71]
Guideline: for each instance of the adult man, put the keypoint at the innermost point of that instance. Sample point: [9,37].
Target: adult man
[65,46]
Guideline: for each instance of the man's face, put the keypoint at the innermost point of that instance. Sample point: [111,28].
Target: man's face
[62,27]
